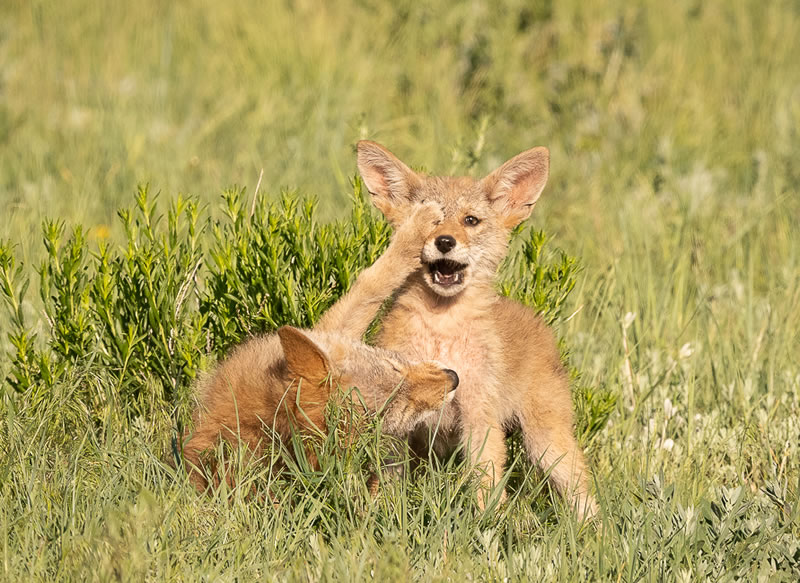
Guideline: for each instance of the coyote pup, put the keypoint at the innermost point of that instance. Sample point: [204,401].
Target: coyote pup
[272,386]
[507,359]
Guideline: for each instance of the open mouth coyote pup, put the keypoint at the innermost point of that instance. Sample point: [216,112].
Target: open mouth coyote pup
[276,385]
[507,359]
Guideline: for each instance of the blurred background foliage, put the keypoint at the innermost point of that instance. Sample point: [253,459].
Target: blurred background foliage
[191,96]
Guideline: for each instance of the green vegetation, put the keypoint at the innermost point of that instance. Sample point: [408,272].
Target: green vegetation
[673,129]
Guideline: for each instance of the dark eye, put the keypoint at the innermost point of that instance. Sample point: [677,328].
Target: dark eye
[471,221]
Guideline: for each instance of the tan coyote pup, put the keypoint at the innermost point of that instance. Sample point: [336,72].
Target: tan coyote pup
[272,386]
[506,357]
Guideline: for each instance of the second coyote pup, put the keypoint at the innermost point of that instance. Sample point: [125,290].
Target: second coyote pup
[273,386]
[506,357]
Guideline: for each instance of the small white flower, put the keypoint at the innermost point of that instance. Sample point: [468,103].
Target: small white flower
[667,444]
[669,408]
[628,319]
[686,351]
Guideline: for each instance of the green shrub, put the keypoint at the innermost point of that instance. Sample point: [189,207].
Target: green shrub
[187,284]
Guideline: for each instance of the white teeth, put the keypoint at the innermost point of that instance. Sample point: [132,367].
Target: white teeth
[457,278]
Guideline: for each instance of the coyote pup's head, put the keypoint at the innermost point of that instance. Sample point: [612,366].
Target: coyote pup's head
[478,214]
[405,393]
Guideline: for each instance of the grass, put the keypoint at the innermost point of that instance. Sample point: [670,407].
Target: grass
[673,131]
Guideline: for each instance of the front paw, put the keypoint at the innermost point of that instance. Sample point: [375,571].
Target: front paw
[410,237]
[425,217]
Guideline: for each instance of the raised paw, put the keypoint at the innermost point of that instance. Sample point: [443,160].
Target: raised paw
[414,231]
[425,217]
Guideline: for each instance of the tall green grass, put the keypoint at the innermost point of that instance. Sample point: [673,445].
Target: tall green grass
[673,130]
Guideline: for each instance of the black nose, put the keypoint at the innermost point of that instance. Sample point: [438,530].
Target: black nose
[453,376]
[444,243]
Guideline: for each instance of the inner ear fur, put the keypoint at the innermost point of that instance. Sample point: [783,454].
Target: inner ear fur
[516,186]
[305,358]
[391,184]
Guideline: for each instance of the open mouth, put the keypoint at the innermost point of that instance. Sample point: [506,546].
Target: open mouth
[446,272]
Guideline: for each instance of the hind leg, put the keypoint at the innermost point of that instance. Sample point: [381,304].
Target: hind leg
[560,454]
[547,431]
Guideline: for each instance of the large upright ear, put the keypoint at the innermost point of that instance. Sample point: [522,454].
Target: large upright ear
[515,187]
[305,358]
[391,183]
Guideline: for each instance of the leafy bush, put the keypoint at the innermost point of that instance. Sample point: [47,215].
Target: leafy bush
[188,284]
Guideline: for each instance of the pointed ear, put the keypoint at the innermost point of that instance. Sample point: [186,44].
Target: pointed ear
[305,359]
[515,187]
[392,184]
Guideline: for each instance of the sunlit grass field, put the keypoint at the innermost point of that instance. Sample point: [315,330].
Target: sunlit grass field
[674,130]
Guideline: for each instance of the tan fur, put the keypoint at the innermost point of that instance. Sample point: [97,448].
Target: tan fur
[506,357]
[273,386]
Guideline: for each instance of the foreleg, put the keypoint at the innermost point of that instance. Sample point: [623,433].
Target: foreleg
[354,312]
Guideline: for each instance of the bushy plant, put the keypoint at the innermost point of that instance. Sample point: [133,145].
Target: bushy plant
[187,284]
[278,265]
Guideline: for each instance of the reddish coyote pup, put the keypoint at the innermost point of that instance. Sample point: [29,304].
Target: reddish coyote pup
[506,357]
[272,386]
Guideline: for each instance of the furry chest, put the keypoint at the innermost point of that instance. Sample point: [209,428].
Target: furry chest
[461,348]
